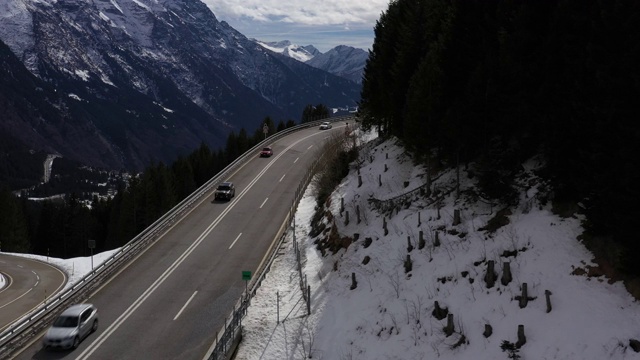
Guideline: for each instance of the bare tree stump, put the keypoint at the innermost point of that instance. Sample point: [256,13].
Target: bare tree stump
[408,264]
[409,245]
[341,205]
[506,274]
[449,329]
[436,240]
[346,218]
[358,214]
[384,226]
[521,338]
[438,312]
[488,330]
[379,180]
[456,217]
[385,168]
[419,222]
[490,276]
[547,295]
[421,242]
[354,283]
[524,297]
[359,180]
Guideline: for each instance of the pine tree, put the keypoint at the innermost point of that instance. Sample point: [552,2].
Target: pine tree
[14,236]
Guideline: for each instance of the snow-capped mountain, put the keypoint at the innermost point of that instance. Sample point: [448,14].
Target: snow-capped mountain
[147,80]
[285,47]
[344,61]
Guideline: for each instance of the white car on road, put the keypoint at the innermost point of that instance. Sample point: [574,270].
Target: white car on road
[73,325]
[325,125]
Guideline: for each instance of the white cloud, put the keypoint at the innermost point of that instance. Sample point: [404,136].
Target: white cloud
[324,24]
[303,12]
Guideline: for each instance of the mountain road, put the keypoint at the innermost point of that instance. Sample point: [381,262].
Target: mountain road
[170,302]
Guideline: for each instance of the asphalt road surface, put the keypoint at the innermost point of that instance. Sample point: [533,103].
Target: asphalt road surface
[29,284]
[170,302]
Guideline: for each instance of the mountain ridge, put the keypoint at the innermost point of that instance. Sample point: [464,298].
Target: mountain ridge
[148,82]
[344,61]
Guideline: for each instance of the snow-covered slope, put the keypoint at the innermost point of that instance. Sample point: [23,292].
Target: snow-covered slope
[389,313]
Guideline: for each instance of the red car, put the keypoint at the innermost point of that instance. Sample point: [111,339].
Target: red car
[266,152]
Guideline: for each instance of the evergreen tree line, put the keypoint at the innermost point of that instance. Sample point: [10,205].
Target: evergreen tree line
[314,113]
[494,82]
[62,228]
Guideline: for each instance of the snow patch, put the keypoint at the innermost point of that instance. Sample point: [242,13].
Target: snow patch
[75,97]
[83,74]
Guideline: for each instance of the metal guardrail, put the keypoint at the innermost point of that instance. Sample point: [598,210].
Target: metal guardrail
[23,330]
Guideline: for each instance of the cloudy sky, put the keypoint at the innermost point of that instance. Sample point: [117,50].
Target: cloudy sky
[321,23]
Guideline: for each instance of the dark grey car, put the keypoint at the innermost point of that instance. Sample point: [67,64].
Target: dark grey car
[70,327]
[225,191]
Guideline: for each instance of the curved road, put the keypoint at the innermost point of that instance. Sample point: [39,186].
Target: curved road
[171,301]
[29,283]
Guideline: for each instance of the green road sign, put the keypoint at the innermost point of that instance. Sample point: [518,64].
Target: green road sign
[246,275]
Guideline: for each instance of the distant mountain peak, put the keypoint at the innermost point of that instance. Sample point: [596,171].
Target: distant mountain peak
[344,61]
[286,48]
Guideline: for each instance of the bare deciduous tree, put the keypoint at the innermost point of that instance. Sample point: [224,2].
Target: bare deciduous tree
[394,280]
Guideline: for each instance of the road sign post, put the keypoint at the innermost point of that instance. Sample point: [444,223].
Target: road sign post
[246,276]
[92,245]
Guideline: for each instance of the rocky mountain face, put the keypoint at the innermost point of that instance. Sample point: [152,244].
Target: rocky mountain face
[121,84]
[344,61]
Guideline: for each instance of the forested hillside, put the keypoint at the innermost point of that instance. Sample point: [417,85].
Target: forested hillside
[488,84]
[61,228]
[61,225]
